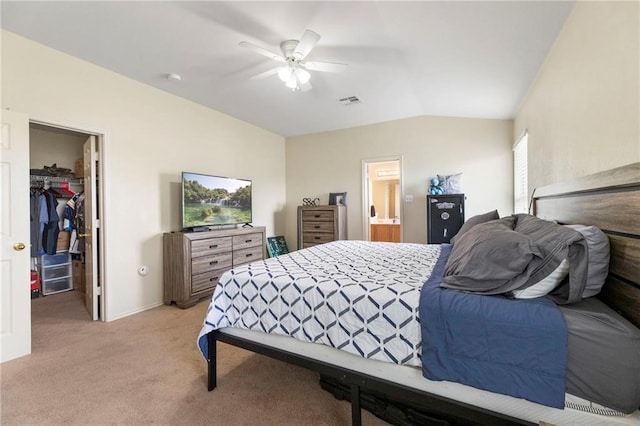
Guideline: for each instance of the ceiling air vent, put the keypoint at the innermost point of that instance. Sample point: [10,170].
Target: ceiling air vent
[349,101]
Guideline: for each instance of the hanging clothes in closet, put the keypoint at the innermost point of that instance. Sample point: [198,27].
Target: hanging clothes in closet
[74,222]
[44,221]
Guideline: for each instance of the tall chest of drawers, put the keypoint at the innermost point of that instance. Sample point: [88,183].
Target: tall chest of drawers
[195,261]
[321,224]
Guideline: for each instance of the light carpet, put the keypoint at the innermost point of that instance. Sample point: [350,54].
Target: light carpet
[146,369]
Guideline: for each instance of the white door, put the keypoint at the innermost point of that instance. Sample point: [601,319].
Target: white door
[15,299]
[92,225]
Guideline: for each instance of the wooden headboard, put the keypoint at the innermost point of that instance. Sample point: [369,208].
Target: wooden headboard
[609,200]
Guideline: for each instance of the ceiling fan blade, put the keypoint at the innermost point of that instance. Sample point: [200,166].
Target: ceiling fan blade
[324,66]
[305,87]
[266,74]
[307,42]
[262,51]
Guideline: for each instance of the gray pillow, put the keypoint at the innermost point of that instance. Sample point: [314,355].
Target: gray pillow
[491,258]
[556,242]
[598,255]
[475,220]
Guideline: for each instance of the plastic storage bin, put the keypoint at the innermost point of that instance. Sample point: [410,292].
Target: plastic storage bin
[55,259]
[55,273]
[56,286]
[59,271]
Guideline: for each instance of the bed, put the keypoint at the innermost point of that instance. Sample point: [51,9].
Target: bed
[383,363]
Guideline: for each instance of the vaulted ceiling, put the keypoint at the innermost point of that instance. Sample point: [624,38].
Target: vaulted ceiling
[405,59]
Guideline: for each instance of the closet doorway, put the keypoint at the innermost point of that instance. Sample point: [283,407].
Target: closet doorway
[382,195]
[67,163]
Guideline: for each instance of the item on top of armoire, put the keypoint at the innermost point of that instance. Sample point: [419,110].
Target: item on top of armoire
[451,183]
[435,188]
[445,217]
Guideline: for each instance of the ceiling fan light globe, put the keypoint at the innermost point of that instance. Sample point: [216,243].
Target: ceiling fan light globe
[303,76]
[284,74]
[292,82]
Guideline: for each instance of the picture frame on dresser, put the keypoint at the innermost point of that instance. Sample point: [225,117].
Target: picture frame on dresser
[337,198]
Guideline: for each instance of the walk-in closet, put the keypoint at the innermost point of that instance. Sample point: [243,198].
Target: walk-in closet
[57,212]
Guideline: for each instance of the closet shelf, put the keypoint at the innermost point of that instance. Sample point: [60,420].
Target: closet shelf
[40,178]
[65,186]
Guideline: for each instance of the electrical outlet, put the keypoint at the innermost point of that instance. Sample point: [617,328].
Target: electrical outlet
[408,198]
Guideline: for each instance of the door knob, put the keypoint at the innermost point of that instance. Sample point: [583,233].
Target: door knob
[19,246]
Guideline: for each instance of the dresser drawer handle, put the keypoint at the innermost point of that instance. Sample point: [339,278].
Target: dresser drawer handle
[247,241]
[213,279]
[213,246]
[316,227]
[248,255]
[317,238]
[317,215]
[213,262]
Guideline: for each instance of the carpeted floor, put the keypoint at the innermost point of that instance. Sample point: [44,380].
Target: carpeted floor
[146,369]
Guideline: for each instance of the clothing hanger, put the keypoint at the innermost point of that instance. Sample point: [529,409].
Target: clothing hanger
[63,189]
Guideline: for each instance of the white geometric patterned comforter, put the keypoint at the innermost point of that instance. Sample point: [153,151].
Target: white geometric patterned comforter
[358,296]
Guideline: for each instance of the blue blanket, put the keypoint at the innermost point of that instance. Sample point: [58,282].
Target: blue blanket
[507,346]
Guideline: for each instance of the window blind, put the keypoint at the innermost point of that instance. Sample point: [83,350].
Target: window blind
[520,181]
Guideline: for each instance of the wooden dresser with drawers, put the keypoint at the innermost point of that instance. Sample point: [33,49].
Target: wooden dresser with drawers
[195,261]
[321,224]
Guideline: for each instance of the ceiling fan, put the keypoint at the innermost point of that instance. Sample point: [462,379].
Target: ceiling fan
[294,71]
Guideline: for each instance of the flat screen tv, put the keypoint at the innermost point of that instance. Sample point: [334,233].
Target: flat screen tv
[209,200]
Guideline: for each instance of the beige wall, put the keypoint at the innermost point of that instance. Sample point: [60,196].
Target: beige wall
[48,147]
[151,136]
[582,112]
[332,162]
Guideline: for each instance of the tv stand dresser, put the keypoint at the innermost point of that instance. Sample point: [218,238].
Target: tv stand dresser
[195,261]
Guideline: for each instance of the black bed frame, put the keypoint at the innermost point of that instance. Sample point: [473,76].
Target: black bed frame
[608,199]
[441,410]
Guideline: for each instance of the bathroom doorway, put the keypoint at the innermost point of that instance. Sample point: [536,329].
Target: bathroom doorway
[382,195]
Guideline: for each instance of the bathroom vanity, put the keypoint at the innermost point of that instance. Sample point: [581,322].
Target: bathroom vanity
[385,230]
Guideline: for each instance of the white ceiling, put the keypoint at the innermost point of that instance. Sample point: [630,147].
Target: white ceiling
[405,59]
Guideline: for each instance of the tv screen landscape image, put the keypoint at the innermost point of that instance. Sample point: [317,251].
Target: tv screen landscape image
[214,200]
